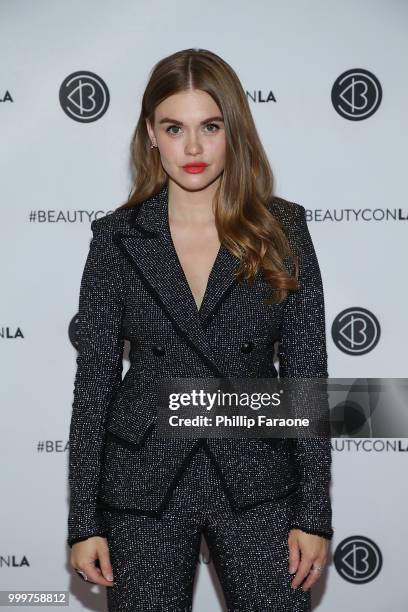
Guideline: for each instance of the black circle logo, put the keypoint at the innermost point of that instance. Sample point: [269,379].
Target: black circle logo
[358,559]
[84,96]
[73,331]
[356,94]
[355,331]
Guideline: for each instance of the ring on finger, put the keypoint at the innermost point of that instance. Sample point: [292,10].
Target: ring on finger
[82,574]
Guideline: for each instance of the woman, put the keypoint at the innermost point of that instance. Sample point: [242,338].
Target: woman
[202,269]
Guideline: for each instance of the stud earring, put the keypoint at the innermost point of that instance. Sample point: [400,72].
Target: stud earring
[153,145]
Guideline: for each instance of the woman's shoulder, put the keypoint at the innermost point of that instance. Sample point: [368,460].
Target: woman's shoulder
[116,220]
[286,210]
[290,215]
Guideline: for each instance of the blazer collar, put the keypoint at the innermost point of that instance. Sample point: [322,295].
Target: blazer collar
[151,251]
[151,216]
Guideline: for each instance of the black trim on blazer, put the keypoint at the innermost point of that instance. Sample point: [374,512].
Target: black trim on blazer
[205,322]
[136,208]
[205,318]
[201,443]
[156,513]
[72,541]
[157,298]
[127,443]
[323,534]
[228,493]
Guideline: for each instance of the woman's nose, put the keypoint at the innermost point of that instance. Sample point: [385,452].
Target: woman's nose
[193,145]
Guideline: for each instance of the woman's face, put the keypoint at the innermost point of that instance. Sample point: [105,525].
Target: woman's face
[189,129]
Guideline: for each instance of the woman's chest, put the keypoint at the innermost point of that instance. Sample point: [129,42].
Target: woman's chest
[241,313]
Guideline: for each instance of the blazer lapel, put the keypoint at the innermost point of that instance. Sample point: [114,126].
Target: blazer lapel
[220,283]
[149,246]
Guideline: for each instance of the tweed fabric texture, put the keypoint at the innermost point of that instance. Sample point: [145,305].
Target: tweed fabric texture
[154,560]
[133,287]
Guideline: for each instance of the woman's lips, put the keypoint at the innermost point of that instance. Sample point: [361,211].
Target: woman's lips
[194,168]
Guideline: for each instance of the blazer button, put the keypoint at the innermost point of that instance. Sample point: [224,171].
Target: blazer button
[158,349]
[247,347]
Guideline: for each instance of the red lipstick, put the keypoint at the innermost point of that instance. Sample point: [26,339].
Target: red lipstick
[195,167]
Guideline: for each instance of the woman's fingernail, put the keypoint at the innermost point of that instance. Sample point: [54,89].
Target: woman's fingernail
[110,577]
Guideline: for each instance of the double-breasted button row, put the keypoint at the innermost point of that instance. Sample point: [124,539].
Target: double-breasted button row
[246,347]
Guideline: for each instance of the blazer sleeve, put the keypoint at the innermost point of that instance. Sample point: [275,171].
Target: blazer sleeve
[98,375]
[302,354]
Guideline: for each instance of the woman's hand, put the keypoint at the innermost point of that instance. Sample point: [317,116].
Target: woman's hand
[305,550]
[83,557]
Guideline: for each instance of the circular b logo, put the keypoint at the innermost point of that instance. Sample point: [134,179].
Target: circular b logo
[356,94]
[84,96]
[358,559]
[73,331]
[355,331]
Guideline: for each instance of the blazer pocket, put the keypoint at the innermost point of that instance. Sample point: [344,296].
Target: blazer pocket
[124,476]
[131,421]
[133,446]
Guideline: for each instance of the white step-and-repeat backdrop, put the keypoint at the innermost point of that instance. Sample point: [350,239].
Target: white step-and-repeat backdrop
[327,84]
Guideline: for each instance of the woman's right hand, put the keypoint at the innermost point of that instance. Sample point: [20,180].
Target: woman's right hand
[83,557]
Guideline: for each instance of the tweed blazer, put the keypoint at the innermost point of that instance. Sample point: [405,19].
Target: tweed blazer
[133,288]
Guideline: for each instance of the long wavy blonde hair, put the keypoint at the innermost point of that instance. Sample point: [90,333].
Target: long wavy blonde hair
[245,225]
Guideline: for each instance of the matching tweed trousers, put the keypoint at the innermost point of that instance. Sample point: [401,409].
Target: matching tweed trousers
[154,560]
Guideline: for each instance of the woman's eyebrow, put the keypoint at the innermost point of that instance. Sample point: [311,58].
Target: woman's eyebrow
[169,120]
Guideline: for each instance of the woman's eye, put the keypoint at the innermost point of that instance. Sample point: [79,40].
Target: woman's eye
[171,127]
[214,125]
[176,127]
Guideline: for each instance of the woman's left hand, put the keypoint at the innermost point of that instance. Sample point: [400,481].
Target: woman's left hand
[306,550]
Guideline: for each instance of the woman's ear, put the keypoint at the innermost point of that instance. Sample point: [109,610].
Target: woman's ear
[150,130]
